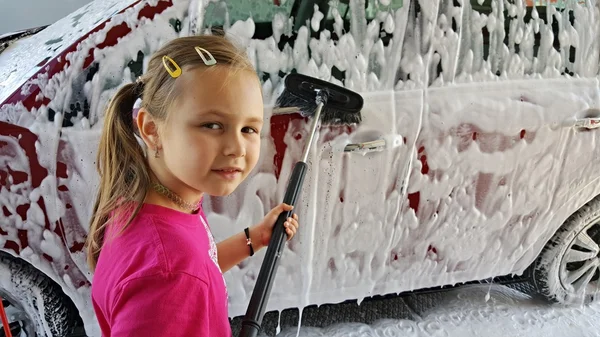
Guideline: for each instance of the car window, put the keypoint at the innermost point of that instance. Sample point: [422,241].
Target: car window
[486,5]
[233,10]
[262,11]
[555,3]
[373,7]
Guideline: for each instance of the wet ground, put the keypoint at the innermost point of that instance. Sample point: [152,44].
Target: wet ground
[472,310]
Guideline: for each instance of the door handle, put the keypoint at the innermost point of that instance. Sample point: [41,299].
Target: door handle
[372,146]
[588,123]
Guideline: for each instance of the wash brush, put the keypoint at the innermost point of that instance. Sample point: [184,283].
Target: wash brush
[326,103]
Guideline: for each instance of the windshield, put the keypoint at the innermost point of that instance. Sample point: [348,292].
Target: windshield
[263,11]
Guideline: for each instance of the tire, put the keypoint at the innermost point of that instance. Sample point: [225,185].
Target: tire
[21,285]
[574,248]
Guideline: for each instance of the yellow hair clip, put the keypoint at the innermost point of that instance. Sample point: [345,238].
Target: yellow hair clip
[173,72]
[209,62]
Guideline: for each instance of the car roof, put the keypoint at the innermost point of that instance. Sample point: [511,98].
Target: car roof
[25,58]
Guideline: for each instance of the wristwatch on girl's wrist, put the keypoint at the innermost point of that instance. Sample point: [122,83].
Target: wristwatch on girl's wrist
[248,240]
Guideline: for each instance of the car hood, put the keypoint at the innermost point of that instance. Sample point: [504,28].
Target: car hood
[25,59]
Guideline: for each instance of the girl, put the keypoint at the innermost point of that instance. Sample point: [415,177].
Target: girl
[158,271]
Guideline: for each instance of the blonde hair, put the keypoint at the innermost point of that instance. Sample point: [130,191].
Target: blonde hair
[125,175]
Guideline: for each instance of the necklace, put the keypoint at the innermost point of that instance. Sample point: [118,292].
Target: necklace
[160,188]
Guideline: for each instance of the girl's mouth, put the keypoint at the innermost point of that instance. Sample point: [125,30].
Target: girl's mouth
[229,173]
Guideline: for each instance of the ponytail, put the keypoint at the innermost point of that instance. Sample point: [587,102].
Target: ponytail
[121,163]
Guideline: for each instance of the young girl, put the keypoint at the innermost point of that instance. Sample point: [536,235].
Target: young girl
[158,271]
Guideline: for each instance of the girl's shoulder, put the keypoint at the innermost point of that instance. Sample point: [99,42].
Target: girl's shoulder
[157,243]
[181,238]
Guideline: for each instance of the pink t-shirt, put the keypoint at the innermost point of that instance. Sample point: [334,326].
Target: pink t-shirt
[160,277]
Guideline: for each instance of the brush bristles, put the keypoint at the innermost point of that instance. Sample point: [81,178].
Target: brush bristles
[287,99]
[334,116]
[329,115]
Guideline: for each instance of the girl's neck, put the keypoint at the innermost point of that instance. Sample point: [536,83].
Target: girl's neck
[161,195]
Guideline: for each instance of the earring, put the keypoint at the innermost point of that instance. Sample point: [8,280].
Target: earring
[156,153]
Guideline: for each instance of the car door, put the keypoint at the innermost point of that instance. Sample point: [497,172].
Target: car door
[489,176]
[352,197]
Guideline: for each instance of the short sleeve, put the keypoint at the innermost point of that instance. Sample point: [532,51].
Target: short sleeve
[172,304]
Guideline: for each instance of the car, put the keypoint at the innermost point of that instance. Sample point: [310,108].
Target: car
[477,156]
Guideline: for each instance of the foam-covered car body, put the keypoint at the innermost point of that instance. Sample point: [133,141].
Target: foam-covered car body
[469,158]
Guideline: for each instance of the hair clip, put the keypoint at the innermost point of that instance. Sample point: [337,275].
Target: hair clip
[209,62]
[173,72]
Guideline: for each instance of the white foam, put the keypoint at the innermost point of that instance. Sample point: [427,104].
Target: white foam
[464,313]
[485,183]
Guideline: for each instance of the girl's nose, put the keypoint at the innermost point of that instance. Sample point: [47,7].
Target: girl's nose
[234,146]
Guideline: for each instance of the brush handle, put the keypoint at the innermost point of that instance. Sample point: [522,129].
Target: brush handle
[260,295]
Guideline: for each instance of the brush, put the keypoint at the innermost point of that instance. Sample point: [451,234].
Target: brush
[325,103]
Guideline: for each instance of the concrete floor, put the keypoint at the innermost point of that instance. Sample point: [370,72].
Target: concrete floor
[403,306]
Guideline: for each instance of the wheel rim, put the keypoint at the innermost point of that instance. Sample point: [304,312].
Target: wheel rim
[21,324]
[579,270]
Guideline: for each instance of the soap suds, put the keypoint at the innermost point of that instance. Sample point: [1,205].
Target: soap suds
[485,157]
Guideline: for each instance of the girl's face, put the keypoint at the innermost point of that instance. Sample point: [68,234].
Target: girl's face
[211,140]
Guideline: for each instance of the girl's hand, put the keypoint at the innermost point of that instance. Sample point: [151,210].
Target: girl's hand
[265,228]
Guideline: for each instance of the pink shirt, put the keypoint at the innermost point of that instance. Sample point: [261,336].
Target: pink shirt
[160,277]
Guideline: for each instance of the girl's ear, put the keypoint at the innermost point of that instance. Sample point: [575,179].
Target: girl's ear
[148,129]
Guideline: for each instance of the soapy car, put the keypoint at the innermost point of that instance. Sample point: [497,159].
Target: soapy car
[477,158]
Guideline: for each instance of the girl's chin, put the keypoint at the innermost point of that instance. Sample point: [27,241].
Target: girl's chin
[223,190]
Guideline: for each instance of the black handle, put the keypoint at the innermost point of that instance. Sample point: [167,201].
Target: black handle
[266,276]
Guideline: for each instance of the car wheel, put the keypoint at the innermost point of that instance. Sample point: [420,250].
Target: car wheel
[34,304]
[567,270]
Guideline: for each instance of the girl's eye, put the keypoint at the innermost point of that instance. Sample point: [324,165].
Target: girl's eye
[212,126]
[249,130]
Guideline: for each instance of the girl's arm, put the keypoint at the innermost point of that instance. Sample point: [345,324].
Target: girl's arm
[234,250]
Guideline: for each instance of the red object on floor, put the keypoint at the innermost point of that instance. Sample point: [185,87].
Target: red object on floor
[4,320]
